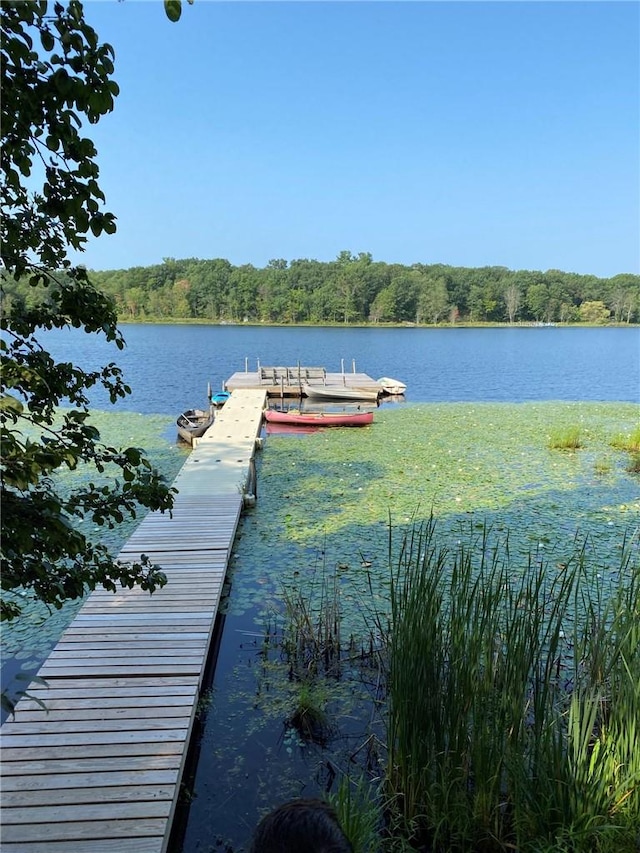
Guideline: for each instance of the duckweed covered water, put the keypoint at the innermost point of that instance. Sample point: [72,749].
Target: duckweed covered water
[325,506]
[333,494]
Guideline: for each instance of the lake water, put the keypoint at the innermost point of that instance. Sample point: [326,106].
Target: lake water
[169,366]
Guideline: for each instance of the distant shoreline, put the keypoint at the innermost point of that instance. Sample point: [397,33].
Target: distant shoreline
[195,321]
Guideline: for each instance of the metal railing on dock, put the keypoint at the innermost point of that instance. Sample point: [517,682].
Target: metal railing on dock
[286,381]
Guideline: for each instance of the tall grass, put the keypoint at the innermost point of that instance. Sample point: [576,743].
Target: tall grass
[312,625]
[634,463]
[357,804]
[513,719]
[566,439]
[629,442]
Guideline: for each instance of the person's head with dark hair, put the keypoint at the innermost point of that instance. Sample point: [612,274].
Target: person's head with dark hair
[301,826]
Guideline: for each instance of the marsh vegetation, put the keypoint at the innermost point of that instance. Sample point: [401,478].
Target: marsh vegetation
[459,674]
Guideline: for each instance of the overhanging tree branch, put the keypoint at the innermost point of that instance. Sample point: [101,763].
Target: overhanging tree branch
[55,76]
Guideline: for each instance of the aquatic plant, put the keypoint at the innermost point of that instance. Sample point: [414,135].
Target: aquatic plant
[634,464]
[566,439]
[357,803]
[312,622]
[601,467]
[309,717]
[513,700]
[629,442]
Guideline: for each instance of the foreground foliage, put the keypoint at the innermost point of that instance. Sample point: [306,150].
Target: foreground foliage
[513,701]
[56,76]
[509,698]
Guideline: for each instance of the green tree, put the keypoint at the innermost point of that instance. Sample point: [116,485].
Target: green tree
[242,295]
[624,297]
[594,312]
[405,283]
[433,299]
[350,279]
[537,298]
[56,79]
[384,306]
[512,300]
[209,284]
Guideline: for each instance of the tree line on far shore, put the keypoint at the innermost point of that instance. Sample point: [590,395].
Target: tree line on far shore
[357,289]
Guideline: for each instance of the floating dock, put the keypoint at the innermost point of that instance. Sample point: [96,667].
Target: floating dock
[289,381]
[99,770]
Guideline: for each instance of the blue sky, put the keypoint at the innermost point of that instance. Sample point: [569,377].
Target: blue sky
[465,133]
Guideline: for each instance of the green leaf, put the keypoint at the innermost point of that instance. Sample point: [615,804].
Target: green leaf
[47,40]
[96,225]
[10,404]
[173,9]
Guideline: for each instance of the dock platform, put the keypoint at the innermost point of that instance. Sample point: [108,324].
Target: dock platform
[99,770]
[283,381]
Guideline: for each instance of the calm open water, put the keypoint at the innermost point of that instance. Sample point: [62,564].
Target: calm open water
[169,366]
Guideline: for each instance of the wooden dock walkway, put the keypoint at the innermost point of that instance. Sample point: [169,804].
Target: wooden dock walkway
[100,769]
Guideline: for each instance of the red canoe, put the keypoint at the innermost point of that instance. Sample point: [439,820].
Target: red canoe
[319,419]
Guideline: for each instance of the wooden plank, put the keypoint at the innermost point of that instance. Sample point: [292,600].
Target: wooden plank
[211,527]
[179,580]
[133,607]
[189,570]
[109,635]
[157,539]
[51,670]
[51,725]
[81,794]
[190,522]
[125,651]
[178,595]
[99,738]
[94,828]
[176,684]
[195,619]
[100,716]
[114,656]
[48,768]
[170,558]
[162,598]
[153,844]
[67,781]
[72,705]
[168,604]
[165,647]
